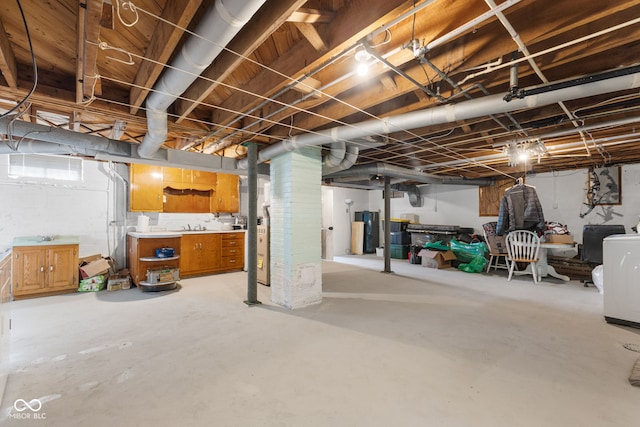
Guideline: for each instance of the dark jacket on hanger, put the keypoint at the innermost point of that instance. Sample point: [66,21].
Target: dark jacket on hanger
[520,209]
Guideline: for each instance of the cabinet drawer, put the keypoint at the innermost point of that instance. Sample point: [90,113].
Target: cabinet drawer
[231,262]
[232,250]
[232,243]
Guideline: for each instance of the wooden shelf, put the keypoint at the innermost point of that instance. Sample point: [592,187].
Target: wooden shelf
[158,259]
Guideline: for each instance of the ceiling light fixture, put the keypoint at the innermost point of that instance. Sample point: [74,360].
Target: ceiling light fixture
[362,60]
[520,152]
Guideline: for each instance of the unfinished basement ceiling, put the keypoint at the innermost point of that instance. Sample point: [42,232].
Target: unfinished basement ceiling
[291,70]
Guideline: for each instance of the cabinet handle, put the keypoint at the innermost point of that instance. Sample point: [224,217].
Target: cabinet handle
[51,268]
[42,269]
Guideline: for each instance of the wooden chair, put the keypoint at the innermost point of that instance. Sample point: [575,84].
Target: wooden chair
[497,247]
[523,246]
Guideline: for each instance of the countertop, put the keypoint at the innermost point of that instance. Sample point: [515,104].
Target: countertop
[37,241]
[161,234]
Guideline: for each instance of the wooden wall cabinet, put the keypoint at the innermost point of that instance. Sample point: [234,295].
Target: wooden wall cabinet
[226,198]
[142,255]
[44,270]
[145,194]
[168,189]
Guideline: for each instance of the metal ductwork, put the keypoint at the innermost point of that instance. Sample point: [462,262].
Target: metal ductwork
[349,157]
[216,29]
[382,169]
[36,138]
[494,104]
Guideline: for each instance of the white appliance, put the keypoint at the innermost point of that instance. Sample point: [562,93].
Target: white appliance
[621,279]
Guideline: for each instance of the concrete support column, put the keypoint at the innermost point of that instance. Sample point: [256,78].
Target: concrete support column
[296,222]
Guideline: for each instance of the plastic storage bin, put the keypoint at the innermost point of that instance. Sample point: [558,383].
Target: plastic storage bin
[397,225]
[400,238]
[400,251]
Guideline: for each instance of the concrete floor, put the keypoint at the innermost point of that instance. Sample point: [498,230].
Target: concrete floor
[421,347]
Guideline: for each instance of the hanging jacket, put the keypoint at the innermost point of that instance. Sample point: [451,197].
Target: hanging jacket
[520,209]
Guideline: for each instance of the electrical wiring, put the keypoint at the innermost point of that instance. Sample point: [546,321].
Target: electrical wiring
[33,61]
[447,152]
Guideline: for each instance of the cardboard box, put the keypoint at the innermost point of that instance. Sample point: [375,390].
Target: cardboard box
[92,284]
[436,259]
[497,243]
[94,268]
[558,238]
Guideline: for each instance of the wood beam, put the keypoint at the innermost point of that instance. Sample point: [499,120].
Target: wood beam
[310,85]
[163,42]
[312,16]
[388,82]
[89,16]
[8,65]
[370,14]
[310,32]
[263,24]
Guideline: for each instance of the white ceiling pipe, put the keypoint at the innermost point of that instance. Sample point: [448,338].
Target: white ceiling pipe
[493,104]
[349,159]
[382,169]
[216,29]
[30,146]
[77,142]
[335,155]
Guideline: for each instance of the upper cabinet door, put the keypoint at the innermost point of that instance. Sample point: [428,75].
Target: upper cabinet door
[175,178]
[146,188]
[203,181]
[226,197]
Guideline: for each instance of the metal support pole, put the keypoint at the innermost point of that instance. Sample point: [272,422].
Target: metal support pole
[252,226]
[387,225]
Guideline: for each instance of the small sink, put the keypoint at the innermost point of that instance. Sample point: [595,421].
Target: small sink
[48,238]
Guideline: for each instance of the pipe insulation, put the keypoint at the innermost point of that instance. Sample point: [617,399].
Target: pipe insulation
[41,139]
[492,104]
[349,157]
[214,31]
[382,169]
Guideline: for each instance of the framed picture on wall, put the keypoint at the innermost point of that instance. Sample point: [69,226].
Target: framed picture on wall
[605,185]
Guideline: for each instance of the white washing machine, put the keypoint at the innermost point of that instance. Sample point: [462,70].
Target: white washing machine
[621,279]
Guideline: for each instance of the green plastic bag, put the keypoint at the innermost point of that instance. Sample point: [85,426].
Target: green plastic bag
[467,252]
[438,246]
[476,265]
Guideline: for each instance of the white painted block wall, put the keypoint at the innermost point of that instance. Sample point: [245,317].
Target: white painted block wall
[561,194]
[91,209]
[296,269]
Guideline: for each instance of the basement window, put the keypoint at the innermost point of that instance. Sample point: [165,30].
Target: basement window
[45,167]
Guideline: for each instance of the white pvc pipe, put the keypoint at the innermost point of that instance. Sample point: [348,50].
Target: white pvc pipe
[493,104]
[214,31]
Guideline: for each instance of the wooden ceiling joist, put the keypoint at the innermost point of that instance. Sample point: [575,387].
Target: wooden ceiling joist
[89,16]
[264,23]
[310,32]
[163,42]
[8,64]
[312,16]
